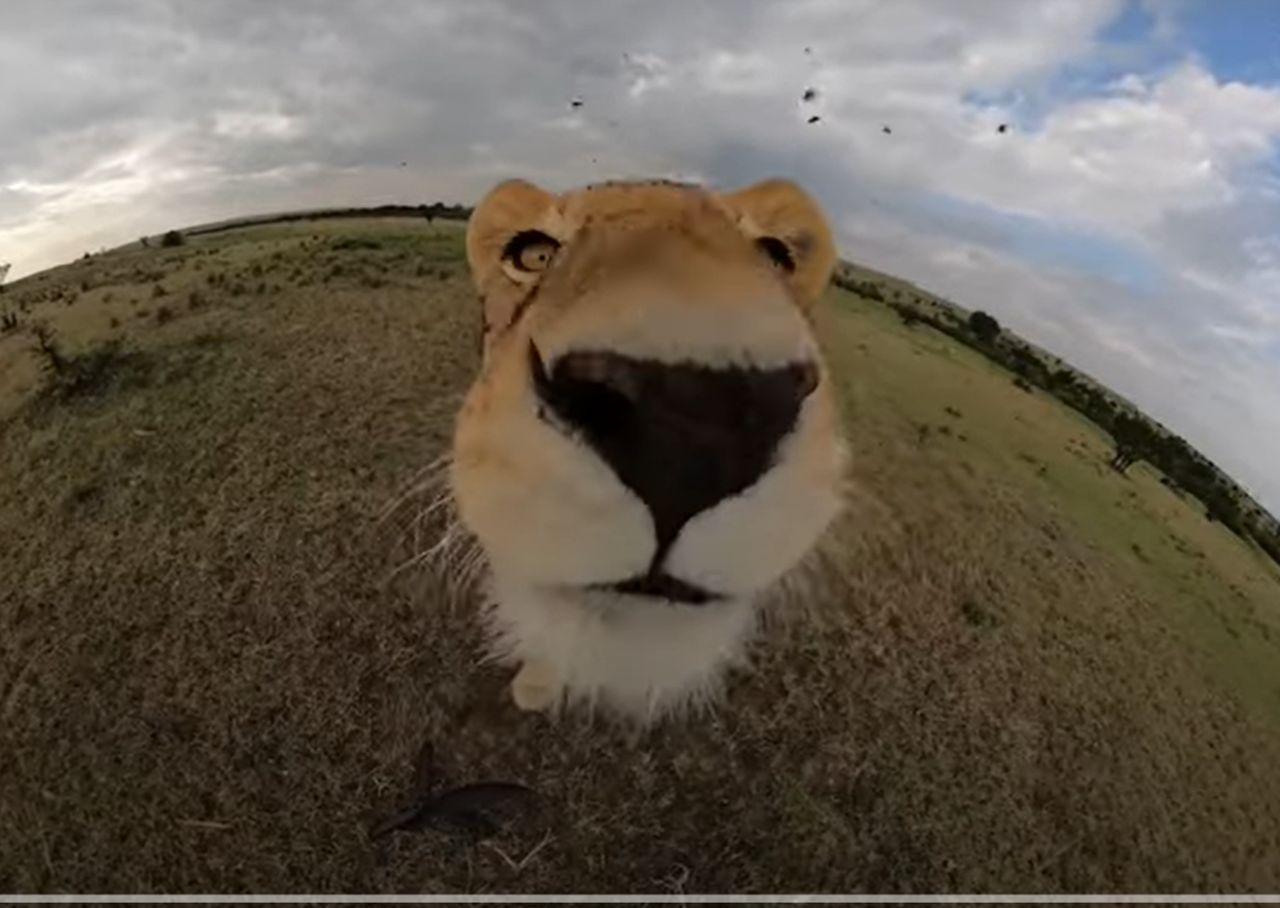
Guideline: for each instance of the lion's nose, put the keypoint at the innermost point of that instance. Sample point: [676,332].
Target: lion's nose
[681,436]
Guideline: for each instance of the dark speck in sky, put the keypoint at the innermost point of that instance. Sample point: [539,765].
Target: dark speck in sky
[815,118]
[809,94]
[1003,127]
[576,102]
[886,130]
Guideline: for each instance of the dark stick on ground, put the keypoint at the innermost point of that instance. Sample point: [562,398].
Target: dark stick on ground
[477,809]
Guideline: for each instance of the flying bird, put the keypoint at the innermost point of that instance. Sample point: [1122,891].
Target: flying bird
[809,94]
[815,118]
[886,130]
[575,103]
[1003,127]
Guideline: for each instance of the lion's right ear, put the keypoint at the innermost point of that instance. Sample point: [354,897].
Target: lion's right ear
[511,209]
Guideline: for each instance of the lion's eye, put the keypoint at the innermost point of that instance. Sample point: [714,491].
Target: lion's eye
[530,251]
[779,253]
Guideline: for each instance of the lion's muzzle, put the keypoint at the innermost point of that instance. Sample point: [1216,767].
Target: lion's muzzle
[682,437]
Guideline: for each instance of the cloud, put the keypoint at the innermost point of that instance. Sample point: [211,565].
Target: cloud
[1127,218]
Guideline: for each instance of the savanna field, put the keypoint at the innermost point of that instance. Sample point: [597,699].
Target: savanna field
[220,665]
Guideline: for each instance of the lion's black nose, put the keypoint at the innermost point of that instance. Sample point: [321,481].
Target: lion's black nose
[681,436]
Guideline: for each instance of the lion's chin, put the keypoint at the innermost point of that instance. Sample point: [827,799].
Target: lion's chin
[629,653]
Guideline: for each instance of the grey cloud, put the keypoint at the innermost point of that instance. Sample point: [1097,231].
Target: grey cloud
[119,118]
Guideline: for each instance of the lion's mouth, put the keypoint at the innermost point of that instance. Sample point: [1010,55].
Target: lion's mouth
[661,586]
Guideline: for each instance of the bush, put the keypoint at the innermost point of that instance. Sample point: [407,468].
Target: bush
[356,242]
[8,322]
[908,316]
[172,238]
[163,314]
[94,370]
[158,291]
[47,348]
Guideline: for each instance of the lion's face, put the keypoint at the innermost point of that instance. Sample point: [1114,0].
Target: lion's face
[652,422]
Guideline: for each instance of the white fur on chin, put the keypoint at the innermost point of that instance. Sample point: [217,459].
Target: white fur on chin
[640,658]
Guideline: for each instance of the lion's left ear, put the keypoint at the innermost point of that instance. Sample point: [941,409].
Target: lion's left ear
[789,227]
[509,209]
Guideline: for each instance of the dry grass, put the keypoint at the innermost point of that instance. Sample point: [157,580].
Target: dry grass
[210,679]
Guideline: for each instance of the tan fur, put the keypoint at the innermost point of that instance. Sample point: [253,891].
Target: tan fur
[658,271]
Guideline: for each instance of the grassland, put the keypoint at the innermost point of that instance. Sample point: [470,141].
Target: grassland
[1024,672]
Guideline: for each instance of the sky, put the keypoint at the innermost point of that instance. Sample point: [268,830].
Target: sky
[1128,217]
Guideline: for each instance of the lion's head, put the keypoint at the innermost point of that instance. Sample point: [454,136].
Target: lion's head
[651,441]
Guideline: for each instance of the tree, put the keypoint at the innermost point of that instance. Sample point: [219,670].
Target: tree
[4,272]
[984,327]
[1222,506]
[172,238]
[1136,439]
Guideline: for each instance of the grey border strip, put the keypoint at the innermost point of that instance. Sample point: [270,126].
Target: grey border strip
[210,899]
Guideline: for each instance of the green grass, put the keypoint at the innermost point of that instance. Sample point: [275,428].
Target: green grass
[1217,591]
[1022,671]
